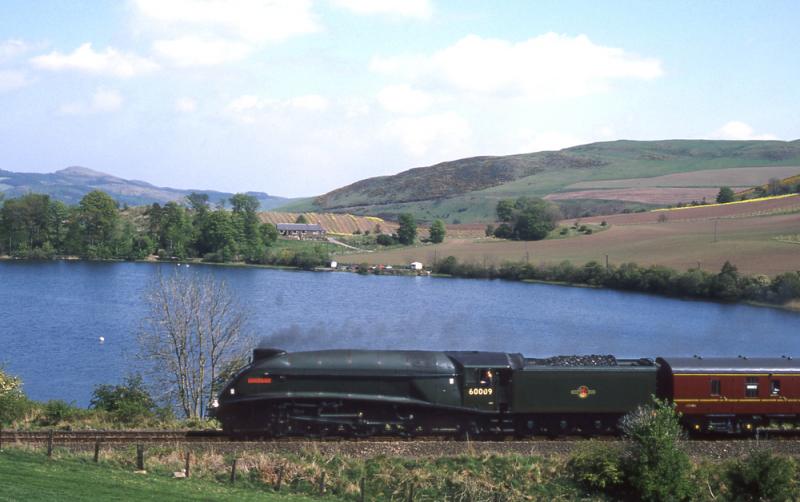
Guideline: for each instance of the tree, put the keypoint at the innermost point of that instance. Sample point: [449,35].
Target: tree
[725,195]
[407,231]
[437,231]
[13,403]
[301,219]
[657,468]
[526,218]
[192,332]
[97,217]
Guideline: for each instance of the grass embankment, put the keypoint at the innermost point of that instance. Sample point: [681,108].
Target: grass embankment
[31,476]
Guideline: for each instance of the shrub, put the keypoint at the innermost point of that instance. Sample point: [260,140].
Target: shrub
[13,403]
[597,467]
[763,476]
[127,403]
[57,411]
[564,231]
[656,468]
[384,240]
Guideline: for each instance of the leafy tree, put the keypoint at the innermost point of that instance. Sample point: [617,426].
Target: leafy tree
[128,403]
[725,195]
[218,236]
[97,217]
[384,240]
[526,218]
[489,230]
[657,469]
[245,218]
[176,230]
[269,233]
[437,231]
[407,232]
[301,219]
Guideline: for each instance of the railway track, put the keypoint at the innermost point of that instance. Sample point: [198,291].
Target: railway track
[210,436]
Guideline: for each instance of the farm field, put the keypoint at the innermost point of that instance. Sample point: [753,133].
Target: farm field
[663,196]
[332,222]
[732,177]
[747,235]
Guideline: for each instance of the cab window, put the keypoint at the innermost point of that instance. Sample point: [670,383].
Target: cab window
[775,388]
[716,387]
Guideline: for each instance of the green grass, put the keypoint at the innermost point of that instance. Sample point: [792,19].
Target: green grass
[31,476]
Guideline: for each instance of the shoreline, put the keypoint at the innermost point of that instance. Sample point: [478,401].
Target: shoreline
[792,306]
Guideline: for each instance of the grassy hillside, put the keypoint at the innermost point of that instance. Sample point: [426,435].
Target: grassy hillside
[468,189]
[71,184]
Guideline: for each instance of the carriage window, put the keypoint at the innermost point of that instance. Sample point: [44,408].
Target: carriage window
[716,388]
[486,377]
[775,388]
[751,387]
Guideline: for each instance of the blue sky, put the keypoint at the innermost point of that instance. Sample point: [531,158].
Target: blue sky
[297,97]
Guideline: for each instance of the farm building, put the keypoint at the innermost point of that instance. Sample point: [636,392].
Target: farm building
[415,265]
[301,230]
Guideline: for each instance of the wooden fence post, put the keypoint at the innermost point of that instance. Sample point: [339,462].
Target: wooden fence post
[280,479]
[363,489]
[410,493]
[139,457]
[322,483]
[50,444]
[186,467]
[97,450]
[233,471]
[1,437]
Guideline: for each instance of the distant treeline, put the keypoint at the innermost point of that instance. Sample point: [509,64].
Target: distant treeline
[727,285]
[36,227]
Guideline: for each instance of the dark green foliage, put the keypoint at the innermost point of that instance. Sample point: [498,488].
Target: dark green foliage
[57,411]
[437,231]
[526,219]
[489,232]
[725,195]
[763,476]
[127,403]
[385,240]
[301,219]
[656,468]
[597,467]
[13,403]
[407,232]
[728,285]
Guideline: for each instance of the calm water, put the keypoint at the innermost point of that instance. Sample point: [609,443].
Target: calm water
[52,314]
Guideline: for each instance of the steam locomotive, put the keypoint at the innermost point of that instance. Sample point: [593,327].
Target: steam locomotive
[364,393]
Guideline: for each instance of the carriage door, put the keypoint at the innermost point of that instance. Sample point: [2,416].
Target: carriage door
[480,388]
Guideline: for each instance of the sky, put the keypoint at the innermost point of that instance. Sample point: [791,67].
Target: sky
[298,97]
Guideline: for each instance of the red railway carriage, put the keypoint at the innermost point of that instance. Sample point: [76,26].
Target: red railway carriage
[733,395]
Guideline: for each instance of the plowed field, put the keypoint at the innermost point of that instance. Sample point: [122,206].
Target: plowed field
[332,222]
[746,234]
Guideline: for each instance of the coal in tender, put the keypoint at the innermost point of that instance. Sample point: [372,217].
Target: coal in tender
[575,361]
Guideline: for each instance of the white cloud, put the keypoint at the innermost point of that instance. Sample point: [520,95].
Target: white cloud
[255,21]
[420,9]
[540,68]
[310,102]
[110,62]
[12,48]
[185,105]
[446,133]
[552,140]
[103,101]
[247,107]
[739,130]
[404,99]
[11,80]
[194,51]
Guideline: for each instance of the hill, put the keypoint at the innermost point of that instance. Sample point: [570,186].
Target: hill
[71,184]
[468,189]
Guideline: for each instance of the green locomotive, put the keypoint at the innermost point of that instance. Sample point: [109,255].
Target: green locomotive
[407,392]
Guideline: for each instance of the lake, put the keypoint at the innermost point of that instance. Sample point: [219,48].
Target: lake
[53,313]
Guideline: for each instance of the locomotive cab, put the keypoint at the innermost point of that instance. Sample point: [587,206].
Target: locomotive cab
[485,378]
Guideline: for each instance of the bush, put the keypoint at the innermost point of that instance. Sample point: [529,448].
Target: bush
[128,403]
[384,240]
[597,467]
[763,476]
[656,468]
[13,403]
[57,411]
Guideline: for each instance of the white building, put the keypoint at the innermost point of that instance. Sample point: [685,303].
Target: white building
[415,265]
